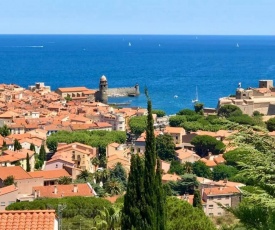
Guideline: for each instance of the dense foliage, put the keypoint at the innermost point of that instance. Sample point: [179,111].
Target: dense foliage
[201,170]
[158,112]
[229,111]
[137,124]
[270,124]
[4,131]
[205,144]
[98,138]
[165,147]
[182,216]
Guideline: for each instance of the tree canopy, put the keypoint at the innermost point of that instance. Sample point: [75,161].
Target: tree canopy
[205,144]
[201,170]
[229,110]
[165,147]
[160,113]
[138,124]
[270,124]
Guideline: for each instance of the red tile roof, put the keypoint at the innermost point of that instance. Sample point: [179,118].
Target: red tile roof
[50,174]
[64,190]
[7,189]
[17,171]
[221,190]
[27,220]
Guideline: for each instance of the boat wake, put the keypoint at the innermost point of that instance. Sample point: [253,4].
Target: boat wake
[24,46]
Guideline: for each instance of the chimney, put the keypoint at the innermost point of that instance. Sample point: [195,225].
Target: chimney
[220,188]
[55,190]
[75,188]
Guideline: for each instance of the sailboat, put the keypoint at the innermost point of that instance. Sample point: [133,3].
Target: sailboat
[197,97]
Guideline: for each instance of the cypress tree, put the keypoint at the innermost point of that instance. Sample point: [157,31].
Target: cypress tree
[144,201]
[17,145]
[28,166]
[133,199]
[197,199]
[42,153]
[32,147]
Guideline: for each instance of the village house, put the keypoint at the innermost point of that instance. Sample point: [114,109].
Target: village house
[18,157]
[24,181]
[8,195]
[176,133]
[186,155]
[81,155]
[217,197]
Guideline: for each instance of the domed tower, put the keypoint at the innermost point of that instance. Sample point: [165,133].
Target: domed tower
[103,88]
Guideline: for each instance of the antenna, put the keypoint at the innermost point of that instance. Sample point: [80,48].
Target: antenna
[60,208]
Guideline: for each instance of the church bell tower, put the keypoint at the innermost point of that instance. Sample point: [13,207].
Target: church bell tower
[103,87]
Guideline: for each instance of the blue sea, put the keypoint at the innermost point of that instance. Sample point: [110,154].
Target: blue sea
[171,67]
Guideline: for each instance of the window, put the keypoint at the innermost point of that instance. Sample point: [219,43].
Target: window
[210,214]
[226,197]
[219,213]
[56,165]
[3,203]
[210,198]
[210,206]
[219,197]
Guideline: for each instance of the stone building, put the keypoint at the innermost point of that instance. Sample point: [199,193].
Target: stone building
[260,99]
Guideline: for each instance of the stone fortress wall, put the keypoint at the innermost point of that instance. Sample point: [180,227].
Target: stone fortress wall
[124,91]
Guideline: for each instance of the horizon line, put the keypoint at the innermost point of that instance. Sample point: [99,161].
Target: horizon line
[103,34]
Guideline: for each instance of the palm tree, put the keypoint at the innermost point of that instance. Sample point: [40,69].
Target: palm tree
[84,175]
[113,187]
[64,180]
[108,219]
[95,162]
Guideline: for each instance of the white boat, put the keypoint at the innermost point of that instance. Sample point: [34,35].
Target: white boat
[176,96]
[237,45]
[130,44]
[197,97]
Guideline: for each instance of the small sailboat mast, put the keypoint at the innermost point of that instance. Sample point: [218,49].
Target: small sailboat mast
[197,96]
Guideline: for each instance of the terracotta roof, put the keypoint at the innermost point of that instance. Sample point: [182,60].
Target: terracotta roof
[64,190]
[17,171]
[221,190]
[170,177]
[72,89]
[50,174]
[209,163]
[169,129]
[185,153]
[27,220]
[7,189]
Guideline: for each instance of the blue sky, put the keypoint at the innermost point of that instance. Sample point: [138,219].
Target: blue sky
[215,17]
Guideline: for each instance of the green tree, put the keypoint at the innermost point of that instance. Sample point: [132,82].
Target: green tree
[4,131]
[187,112]
[270,124]
[32,147]
[83,175]
[186,184]
[108,219]
[113,187]
[64,180]
[17,145]
[181,215]
[177,121]
[229,110]
[134,198]
[160,113]
[199,108]
[176,167]
[52,144]
[137,125]
[205,144]
[201,170]
[28,166]
[165,147]
[42,154]
[222,171]
[234,156]
[8,181]
[119,173]
[145,208]
[197,199]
